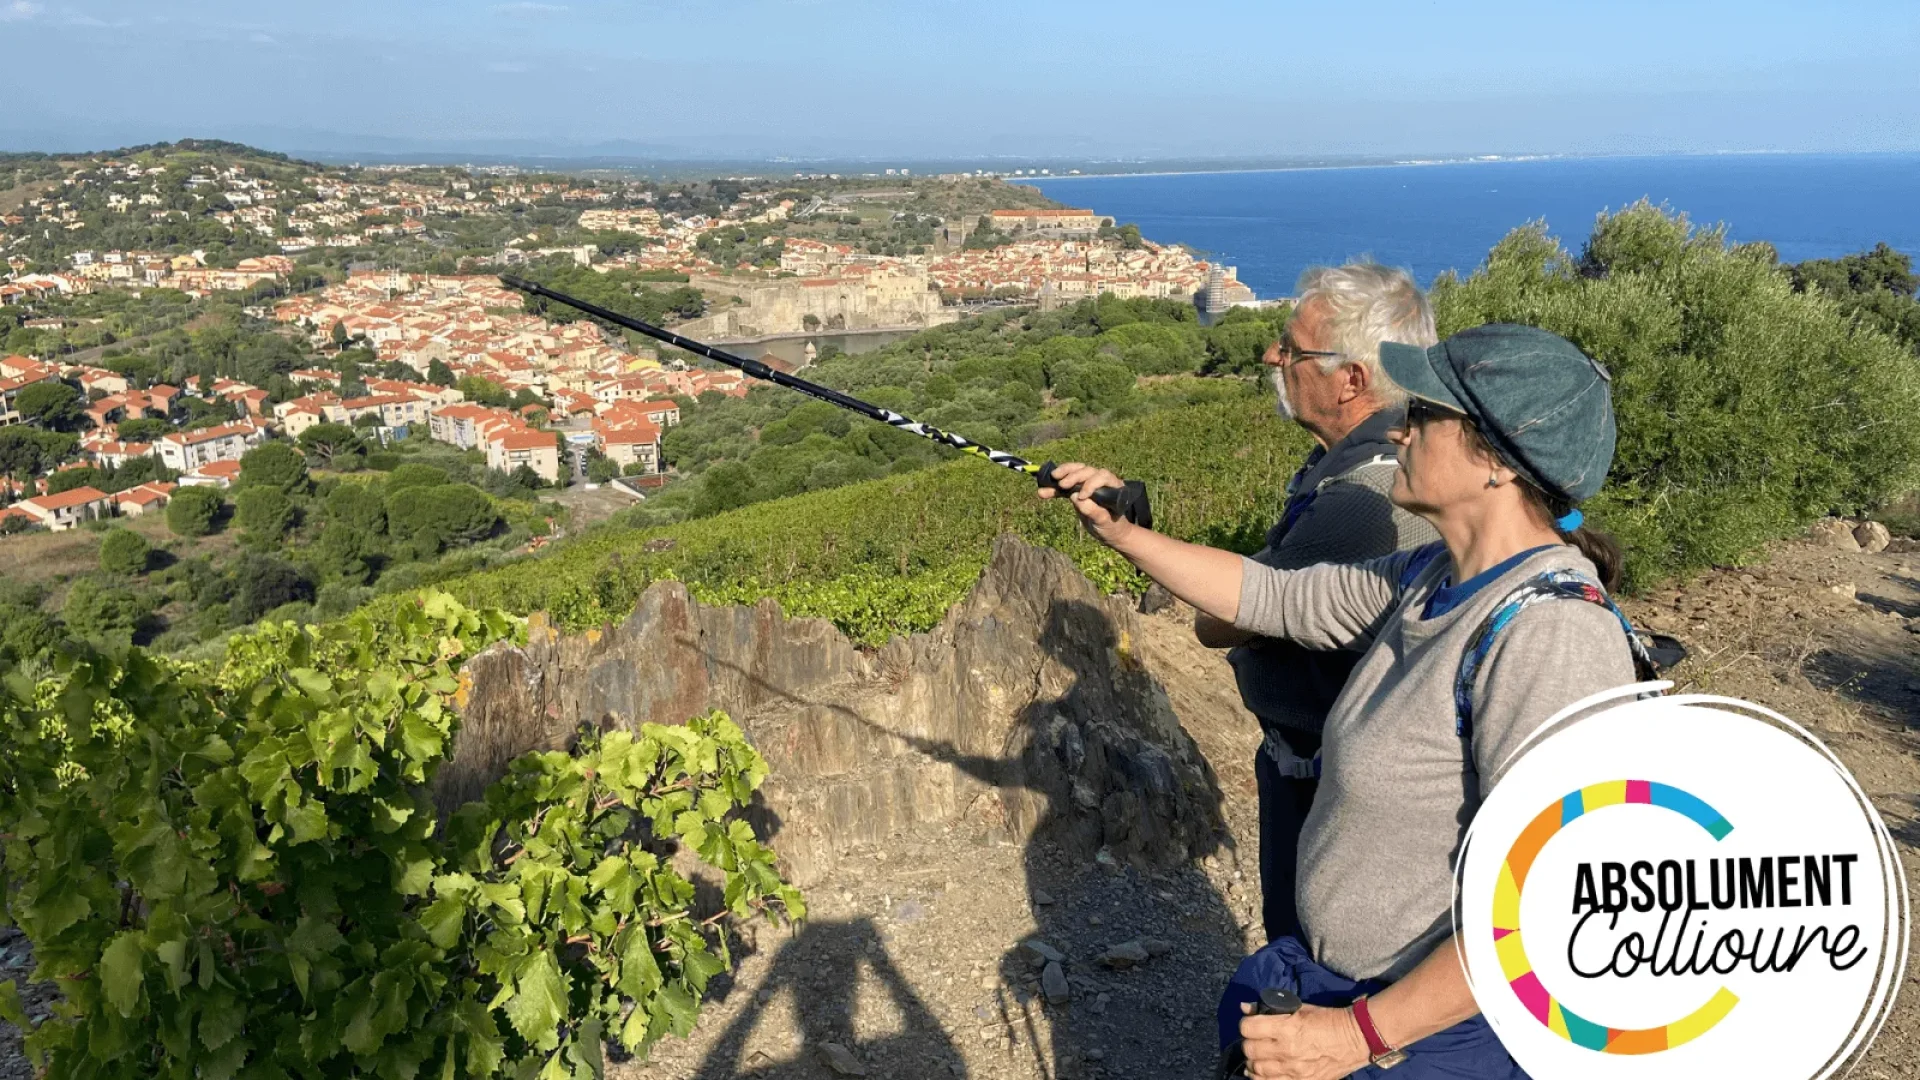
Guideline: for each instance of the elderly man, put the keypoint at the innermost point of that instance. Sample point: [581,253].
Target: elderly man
[1326,368]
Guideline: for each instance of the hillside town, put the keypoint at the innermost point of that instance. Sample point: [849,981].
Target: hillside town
[396,264]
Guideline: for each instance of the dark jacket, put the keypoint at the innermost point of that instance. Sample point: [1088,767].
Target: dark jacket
[1336,511]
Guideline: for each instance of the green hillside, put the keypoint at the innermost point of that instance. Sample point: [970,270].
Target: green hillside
[889,556]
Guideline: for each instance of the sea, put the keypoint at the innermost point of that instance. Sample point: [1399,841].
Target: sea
[1432,218]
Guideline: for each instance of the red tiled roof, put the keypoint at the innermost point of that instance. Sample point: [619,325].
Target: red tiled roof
[225,470]
[79,496]
[525,440]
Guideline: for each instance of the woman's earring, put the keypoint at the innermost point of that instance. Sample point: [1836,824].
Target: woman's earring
[1493,480]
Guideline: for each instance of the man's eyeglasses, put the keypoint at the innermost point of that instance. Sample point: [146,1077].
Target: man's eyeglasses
[1291,354]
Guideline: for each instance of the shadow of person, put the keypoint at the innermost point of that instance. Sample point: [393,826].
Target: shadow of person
[818,974]
[1085,774]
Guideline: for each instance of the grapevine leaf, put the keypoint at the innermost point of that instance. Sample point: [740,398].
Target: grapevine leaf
[539,1000]
[225,1063]
[676,1005]
[56,909]
[122,971]
[639,971]
[11,1008]
[418,739]
[443,920]
[174,955]
[218,1025]
[414,878]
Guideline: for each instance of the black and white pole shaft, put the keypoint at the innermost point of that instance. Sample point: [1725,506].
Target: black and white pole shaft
[1129,501]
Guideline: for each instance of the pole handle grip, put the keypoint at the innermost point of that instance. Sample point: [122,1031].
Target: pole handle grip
[1128,501]
[1277,1002]
[1273,1002]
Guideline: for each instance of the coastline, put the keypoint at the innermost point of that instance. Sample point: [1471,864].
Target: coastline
[1415,163]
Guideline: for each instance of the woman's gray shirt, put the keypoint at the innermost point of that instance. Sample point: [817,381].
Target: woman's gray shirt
[1398,785]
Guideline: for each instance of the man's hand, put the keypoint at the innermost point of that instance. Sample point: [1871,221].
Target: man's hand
[1106,526]
[1312,1044]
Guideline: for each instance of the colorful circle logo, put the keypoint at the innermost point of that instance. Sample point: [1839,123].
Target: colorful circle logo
[1511,945]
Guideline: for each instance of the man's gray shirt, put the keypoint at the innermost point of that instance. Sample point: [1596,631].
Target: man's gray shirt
[1346,518]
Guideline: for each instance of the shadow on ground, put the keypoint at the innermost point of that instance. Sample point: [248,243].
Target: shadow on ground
[1076,784]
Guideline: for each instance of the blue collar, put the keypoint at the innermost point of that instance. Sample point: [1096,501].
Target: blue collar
[1449,596]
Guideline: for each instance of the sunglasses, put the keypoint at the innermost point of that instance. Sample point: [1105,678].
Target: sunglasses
[1419,411]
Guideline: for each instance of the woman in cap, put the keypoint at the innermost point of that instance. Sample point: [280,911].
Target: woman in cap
[1509,427]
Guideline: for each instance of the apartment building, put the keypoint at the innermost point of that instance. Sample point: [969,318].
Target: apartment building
[508,450]
[185,451]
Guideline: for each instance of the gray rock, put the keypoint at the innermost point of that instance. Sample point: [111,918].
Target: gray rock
[1125,955]
[1156,947]
[841,1060]
[1042,897]
[1871,536]
[1835,533]
[1155,600]
[850,777]
[1054,982]
[1039,953]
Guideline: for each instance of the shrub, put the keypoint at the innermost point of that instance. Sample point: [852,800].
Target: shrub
[104,612]
[260,885]
[72,479]
[415,475]
[274,464]
[432,518]
[265,514]
[262,583]
[124,552]
[1745,409]
[193,511]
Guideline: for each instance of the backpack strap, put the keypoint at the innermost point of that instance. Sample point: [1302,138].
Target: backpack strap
[1550,585]
[1298,501]
[1373,462]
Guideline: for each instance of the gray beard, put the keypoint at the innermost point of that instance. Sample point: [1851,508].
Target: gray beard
[1281,405]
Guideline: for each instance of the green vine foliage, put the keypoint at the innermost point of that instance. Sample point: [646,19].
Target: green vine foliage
[240,873]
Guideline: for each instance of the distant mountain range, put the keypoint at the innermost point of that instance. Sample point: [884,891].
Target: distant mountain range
[671,158]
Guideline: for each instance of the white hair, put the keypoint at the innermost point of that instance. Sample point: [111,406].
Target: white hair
[1366,304]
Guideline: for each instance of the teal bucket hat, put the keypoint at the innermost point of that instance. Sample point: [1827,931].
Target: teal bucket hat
[1546,407]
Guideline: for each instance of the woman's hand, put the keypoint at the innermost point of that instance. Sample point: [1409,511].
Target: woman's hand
[1107,527]
[1312,1044]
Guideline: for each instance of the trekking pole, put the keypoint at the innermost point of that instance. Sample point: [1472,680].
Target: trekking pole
[1129,501]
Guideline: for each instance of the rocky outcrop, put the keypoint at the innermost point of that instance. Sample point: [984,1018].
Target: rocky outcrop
[1029,708]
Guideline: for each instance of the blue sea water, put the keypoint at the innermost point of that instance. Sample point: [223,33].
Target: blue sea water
[1431,218]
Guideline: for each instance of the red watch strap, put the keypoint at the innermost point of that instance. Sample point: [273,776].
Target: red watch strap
[1376,1046]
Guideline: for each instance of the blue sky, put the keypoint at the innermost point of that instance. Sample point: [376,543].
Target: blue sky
[945,78]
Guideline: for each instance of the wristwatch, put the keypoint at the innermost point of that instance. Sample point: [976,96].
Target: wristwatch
[1378,1052]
